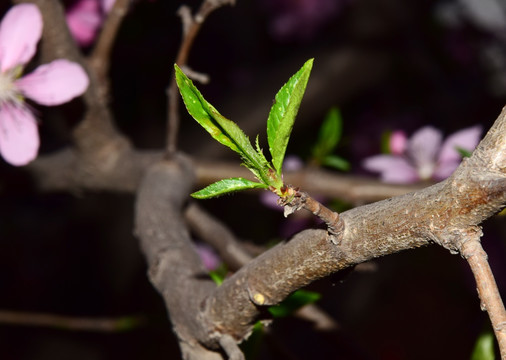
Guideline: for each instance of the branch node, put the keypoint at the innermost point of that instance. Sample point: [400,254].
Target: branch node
[258,299]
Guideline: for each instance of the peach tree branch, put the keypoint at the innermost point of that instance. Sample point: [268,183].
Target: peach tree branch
[191,27]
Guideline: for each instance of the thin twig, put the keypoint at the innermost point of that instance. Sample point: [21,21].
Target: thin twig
[229,345]
[488,292]
[216,234]
[297,200]
[100,58]
[71,322]
[191,27]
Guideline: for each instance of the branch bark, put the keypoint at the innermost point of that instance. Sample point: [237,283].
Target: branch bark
[472,194]
[174,267]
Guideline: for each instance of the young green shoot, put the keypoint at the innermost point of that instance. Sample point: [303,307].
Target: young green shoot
[279,128]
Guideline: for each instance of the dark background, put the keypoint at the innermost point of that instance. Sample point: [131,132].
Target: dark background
[74,253]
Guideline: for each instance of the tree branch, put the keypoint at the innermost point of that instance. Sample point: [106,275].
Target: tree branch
[472,194]
[175,268]
[491,301]
[99,59]
[191,27]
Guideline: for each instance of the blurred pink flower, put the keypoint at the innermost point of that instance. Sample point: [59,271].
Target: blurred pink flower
[85,17]
[208,256]
[425,156]
[398,142]
[301,19]
[50,84]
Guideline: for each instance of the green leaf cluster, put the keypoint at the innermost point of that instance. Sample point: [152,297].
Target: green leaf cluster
[329,136]
[294,302]
[279,126]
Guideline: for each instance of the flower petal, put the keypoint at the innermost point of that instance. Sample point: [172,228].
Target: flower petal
[107,5]
[466,139]
[208,256]
[54,83]
[270,200]
[423,147]
[84,19]
[445,169]
[19,136]
[20,31]
[393,169]
[398,142]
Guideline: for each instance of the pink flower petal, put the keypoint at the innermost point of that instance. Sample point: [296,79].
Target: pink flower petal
[84,19]
[466,139]
[54,83]
[20,30]
[292,163]
[393,169]
[107,5]
[445,169]
[19,136]
[270,200]
[208,256]
[398,142]
[423,147]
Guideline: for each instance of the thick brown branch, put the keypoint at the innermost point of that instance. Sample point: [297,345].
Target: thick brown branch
[175,268]
[473,193]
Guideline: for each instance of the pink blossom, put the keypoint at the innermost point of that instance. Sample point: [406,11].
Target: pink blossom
[85,18]
[425,156]
[208,256]
[50,84]
[398,142]
[301,18]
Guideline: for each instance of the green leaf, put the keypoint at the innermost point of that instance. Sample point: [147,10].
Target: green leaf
[336,162]
[484,347]
[226,186]
[221,129]
[293,302]
[219,274]
[463,152]
[283,113]
[385,142]
[329,134]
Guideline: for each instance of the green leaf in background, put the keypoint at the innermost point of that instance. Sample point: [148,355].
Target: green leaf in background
[484,347]
[294,302]
[336,162]
[385,142]
[329,135]
[221,129]
[227,186]
[463,152]
[219,274]
[283,113]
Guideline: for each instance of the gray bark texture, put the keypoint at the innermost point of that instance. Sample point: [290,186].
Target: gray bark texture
[202,314]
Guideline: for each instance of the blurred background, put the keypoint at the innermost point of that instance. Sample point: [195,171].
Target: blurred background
[386,64]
